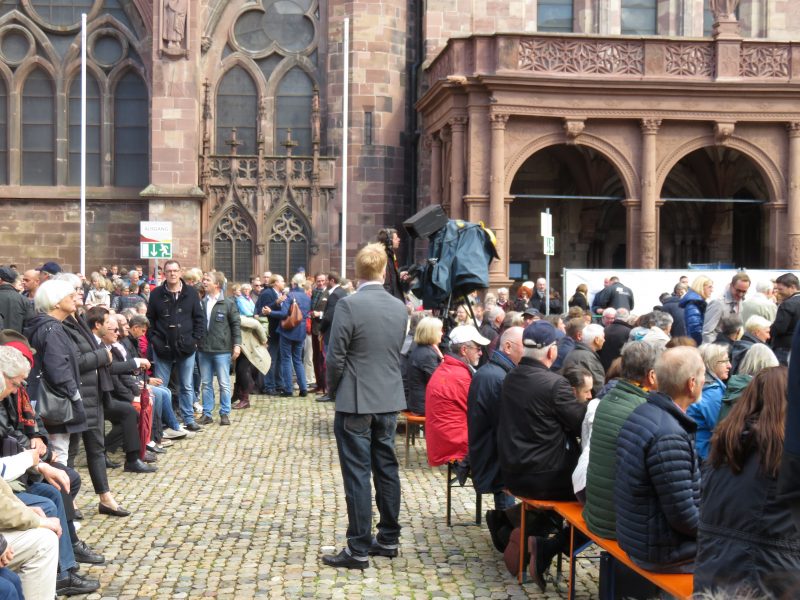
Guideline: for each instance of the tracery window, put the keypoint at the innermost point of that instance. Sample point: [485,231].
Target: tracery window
[131,132]
[293,111]
[38,129]
[237,106]
[233,247]
[93,122]
[3,133]
[288,244]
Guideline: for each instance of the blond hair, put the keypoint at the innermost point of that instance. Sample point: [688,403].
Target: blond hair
[699,284]
[371,262]
[428,330]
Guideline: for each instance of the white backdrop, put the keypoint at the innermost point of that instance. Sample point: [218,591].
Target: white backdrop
[648,285]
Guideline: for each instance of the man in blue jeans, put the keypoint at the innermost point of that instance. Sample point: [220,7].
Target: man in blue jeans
[270,300]
[364,378]
[177,326]
[221,346]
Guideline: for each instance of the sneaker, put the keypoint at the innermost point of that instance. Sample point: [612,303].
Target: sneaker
[172,434]
[190,433]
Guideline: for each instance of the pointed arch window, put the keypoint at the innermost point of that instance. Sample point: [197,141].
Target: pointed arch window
[237,106]
[38,129]
[293,108]
[233,247]
[288,244]
[131,132]
[93,121]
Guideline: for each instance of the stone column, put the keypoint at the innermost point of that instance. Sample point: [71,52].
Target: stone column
[436,169]
[631,232]
[793,216]
[649,221]
[458,126]
[497,206]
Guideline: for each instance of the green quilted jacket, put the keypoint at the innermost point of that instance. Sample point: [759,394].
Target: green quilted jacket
[612,412]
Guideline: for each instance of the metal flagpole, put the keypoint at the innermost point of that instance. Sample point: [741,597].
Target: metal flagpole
[345,131]
[83,144]
[547,278]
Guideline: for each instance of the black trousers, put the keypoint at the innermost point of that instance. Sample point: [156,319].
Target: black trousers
[125,429]
[243,386]
[94,445]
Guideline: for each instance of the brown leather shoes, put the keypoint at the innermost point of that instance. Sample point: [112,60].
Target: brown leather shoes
[241,404]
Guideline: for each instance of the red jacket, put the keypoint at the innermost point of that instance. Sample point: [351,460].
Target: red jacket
[446,411]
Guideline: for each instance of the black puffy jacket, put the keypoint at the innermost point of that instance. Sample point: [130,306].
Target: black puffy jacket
[747,537]
[93,361]
[422,362]
[657,487]
[177,326]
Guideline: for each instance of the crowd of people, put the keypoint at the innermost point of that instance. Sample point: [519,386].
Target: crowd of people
[655,422]
[668,426]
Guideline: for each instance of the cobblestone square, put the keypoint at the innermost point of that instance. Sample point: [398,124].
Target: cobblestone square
[246,512]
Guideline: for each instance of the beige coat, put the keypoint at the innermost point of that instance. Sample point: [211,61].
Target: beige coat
[13,513]
[254,340]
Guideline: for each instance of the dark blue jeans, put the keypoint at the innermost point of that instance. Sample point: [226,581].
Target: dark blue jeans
[292,358]
[366,446]
[48,498]
[10,585]
[273,380]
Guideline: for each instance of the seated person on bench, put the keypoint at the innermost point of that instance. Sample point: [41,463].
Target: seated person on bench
[657,486]
[538,449]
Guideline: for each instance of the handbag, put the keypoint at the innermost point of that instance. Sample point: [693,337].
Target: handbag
[293,318]
[52,406]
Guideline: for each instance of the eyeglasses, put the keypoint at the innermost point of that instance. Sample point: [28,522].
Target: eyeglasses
[727,361]
[171,271]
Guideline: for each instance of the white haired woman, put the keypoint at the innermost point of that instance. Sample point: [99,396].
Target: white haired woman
[756,331]
[706,410]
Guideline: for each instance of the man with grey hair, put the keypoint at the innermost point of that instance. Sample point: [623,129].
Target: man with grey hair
[729,304]
[608,317]
[756,331]
[672,306]
[657,483]
[585,354]
[659,333]
[760,303]
[637,378]
[537,440]
[617,333]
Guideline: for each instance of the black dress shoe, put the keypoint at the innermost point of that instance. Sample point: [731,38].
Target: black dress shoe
[111,464]
[375,549]
[286,394]
[325,398]
[192,427]
[84,554]
[137,466]
[149,457]
[224,420]
[205,420]
[303,393]
[343,560]
[107,510]
[155,449]
[77,514]
[73,584]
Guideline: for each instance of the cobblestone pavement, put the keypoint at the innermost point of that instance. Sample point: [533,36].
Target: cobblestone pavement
[246,512]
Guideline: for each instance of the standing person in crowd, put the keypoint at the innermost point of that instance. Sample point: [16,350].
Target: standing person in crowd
[446,400]
[423,359]
[319,298]
[580,298]
[729,304]
[747,542]
[616,334]
[524,294]
[637,379]
[98,294]
[364,377]
[254,358]
[789,476]
[30,283]
[15,310]
[756,331]
[756,359]
[502,299]
[672,306]
[613,295]
[706,410]
[483,415]
[293,338]
[396,280]
[787,316]
[335,293]
[760,303]
[541,298]
[221,346]
[730,331]
[177,326]
[694,304]
[657,484]
[270,300]
[245,304]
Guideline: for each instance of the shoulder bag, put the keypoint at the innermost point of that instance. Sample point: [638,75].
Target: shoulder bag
[294,317]
[53,407]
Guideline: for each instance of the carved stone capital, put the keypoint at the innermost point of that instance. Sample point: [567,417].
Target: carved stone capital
[205,247]
[458,123]
[723,131]
[793,128]
[573,128]
[650,126]
[498,120]
[648,250]
[260,249]
[427,142]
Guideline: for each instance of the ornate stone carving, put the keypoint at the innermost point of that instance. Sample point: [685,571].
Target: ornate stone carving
[648,249]
[205,43]
[794,251]
[233,226]
[458,123]
[690,60]
[205,247]
[723,8]
[764,60]
[793,128]
[650,126]
[582,56]
[723,131]
[573,128]
[260,249]
[174,20]
[498,120]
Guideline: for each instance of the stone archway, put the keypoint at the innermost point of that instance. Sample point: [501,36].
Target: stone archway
[584,191]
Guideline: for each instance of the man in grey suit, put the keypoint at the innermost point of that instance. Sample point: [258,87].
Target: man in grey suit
[363,376]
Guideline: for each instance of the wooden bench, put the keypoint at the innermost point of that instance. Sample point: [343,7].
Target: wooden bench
[677,585]
[451,482]
[413,421]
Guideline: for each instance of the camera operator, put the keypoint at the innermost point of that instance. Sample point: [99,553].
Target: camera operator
[397,281]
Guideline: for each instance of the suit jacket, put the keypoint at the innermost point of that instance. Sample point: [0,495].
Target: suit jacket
[363,360]
[327,315]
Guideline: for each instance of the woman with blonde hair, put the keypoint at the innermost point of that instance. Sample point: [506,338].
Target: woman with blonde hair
[423,359]
[580,298]
[694,304]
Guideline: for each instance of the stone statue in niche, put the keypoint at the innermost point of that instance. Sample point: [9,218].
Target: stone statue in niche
[723,8]
[174,19]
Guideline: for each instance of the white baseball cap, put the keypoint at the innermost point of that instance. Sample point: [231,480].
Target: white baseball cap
[467,333]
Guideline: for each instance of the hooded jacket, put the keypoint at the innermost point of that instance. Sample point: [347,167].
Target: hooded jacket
[705,412]
[694,310]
